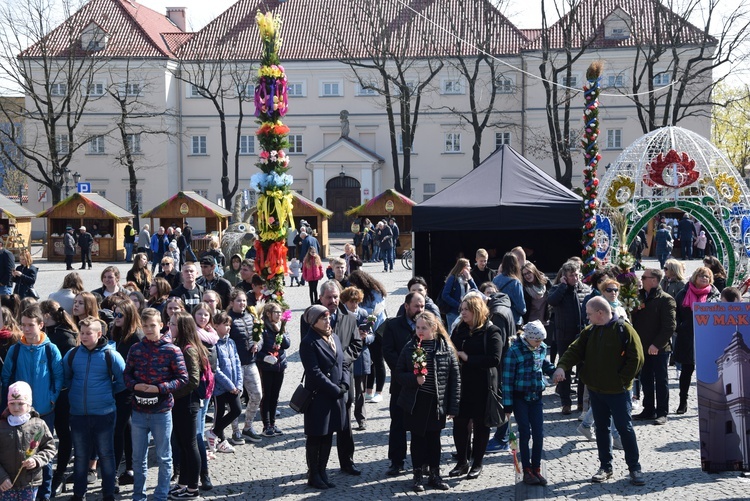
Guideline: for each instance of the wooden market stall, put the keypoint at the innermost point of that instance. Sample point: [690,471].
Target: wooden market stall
[187,205]
[388,204]
[15,225]
[103,219]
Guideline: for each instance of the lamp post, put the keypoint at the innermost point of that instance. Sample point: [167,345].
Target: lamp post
[76,178]
[66,180]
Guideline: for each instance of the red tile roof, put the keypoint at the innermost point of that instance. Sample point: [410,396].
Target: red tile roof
[314,29]
[134,31]
[645,14]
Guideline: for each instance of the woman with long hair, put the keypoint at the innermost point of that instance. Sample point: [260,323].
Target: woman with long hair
[457,284]
[428,398]
[10,332]
[508,281]
[271,361]
[374,303]
[674,277]
[480,350]
[85,305]
[25,275]
[62,331]
[203,316]
[173,305]
[110,278]
[72,285]
[699,289]
[535,289]
[720,274]
[312,272]
[187,403]
[158,293]
[12,302]
[139,273]
[138,300]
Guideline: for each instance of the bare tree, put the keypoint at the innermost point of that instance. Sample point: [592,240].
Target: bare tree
[391,51]
[219,75]
[55,69]
[671,50]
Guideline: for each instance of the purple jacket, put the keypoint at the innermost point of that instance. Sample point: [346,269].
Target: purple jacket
[159,363]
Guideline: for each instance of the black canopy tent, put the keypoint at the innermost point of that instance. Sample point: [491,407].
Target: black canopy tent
[506,201]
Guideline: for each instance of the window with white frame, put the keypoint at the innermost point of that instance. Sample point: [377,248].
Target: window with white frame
[193,92]
[132,89]
[429,188]
[295,143]
[452,142]
[400,142]
[134,143]
[616,81]
[247,145]
[246,90]
[366,89]
[503,85]
[502,138]
[58,89]
[198,145]
[331,88]
[571,81]
[614,139]
[296,89]
[96,145]
[451,86]
[138,197]
[62,142]
[661,79]
[95,89]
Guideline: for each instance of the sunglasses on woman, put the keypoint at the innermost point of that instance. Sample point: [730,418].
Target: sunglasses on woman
[611,289]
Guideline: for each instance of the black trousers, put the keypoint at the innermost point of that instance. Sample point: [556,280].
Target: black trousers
[69,261]
[425,449]
[223,402]
[376,378]
[271,382]
[344,438]
[462,432]
[397,432]
[123,440]
[185,430]
[85,256]
[62,428]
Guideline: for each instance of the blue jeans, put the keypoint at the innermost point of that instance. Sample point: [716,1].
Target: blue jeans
[45,488]
[502,435]
[376,253]
[687,249]
[129,252]
[588,422]
[160,426]
[94,434]
[530,417]
[663,259]
[387,255]
[6,290]
[617,407]
[201,430]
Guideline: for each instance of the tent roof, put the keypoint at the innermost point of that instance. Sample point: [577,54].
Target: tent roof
[163,209]
[504,192]
[13,209]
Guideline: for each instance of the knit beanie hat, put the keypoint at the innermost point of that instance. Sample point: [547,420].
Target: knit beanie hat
[313,313]
[19,391]
[534,331]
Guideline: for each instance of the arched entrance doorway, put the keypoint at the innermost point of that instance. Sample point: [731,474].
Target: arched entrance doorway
[673,168]
[342,193]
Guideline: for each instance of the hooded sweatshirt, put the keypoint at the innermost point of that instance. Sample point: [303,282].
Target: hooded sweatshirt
[33,368]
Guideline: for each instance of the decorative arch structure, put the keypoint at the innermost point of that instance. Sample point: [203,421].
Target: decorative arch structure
[670,168]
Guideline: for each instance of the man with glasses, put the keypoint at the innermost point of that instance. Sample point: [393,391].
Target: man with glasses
[655,321]
[169,273]
[209,280]
[566,299]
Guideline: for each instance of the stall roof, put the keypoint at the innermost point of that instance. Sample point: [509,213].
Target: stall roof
[505,192]
[14,209]
[94,199]
[299,199]
[217,210]
[370,203]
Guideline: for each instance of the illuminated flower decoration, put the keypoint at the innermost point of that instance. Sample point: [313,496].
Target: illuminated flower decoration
[728,188]
[673,170]
[620,191]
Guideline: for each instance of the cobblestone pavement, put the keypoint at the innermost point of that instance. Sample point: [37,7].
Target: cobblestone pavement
[275,467]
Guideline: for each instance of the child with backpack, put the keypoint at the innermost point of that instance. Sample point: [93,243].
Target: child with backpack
[228,384]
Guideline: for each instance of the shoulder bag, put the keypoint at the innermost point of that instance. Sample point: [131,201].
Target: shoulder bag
[302,397]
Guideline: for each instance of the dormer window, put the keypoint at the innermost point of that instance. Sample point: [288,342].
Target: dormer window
[94,38]
[617,25]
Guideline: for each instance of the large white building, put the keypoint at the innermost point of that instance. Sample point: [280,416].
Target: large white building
[175,131]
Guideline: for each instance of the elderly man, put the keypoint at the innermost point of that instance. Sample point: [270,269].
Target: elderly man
[655,322]
[611,353]
[85,240]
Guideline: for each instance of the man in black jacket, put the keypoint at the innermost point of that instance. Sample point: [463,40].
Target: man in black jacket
[346,326]
[397,332]
[213,282]
[7,265]
[189,291]
[84,242]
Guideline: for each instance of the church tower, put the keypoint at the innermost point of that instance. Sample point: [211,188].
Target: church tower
[734,372]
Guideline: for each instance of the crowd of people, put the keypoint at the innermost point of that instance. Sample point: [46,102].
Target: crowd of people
[116,365]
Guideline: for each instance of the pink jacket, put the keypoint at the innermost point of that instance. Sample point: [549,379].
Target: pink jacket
[312,272]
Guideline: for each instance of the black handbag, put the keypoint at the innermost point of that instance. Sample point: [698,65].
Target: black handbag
[494,413]
[301,398]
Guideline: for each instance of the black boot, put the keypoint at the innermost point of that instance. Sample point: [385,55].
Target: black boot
[325,453]
[417,481]
[682,408]
[313,475]
[58,482]
[436,480]
[206,484]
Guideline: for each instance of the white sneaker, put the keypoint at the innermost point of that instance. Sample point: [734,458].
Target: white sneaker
[586,432]
[617,443]
[212,440]
[225,447]
[377,397]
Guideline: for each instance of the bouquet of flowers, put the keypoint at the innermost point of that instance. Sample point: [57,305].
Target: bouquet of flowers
[33,446]
[257,325]
[285,317]
[514,450]
[370,321]
[419,358]
[628,282]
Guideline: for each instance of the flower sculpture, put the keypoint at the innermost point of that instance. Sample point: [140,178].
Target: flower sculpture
[728,188]
[591,154]
[672,171]
[621,191]
[274,215]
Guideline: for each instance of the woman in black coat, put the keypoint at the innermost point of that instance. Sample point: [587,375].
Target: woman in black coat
[429,397]
[25,276]
[327,377]
[480,350]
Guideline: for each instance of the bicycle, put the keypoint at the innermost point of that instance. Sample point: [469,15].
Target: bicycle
[407,259]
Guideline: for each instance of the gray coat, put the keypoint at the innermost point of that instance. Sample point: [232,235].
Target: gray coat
[69,242]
